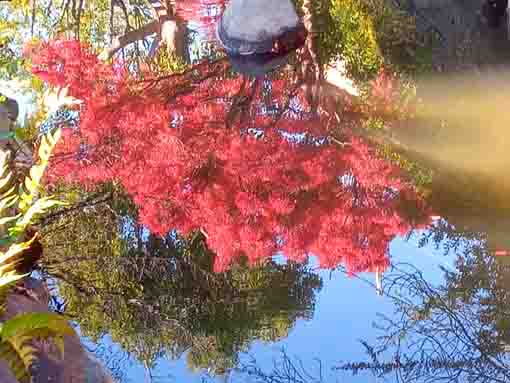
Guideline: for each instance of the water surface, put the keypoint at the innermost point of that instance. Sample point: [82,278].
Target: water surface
[244,229]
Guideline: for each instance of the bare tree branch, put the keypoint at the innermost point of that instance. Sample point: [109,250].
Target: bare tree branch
[94,200]
[129,38]
[78,19]
[154,46]
[111,21]
[32,27]
[122,6]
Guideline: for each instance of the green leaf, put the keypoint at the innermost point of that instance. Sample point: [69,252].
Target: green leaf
[25,201]
[12,67]
[59,342]
[45,149]
[12,257]
[36,173]
[20,133]
[15,232]
[4,182]
[39,207]
[7,279]
[31,185]
[6,220]
[27,323]
[16,364]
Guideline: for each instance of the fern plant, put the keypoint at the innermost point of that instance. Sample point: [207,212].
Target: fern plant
[24,196]
[20,206]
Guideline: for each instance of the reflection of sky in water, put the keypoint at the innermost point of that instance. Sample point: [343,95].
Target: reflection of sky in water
[345,312]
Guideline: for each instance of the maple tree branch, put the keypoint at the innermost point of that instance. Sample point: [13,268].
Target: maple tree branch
[311,40]
[123,7]
[78,19]
[111,21]
[128,38]
[89,202]
[154,46]
[234,109]
[312,67]
[290,95]
[32,27]
[49,7]
[64,6]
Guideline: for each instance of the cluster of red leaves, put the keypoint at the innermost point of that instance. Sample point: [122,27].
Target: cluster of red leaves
[389,97]
[205,13]
[191,161]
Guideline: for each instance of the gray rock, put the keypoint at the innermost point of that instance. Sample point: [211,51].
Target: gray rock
[10,107]
[250,26]
[8,114]
[77,366]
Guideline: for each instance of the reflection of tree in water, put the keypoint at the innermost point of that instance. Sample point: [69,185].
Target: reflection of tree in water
[481,277]
[251,163]
[452,332]
[456,331]
[159,296]
[205,150]
[437,335]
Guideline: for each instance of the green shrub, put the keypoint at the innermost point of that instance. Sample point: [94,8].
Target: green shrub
[397,37]
[419,175]
[353,30]
[367,34]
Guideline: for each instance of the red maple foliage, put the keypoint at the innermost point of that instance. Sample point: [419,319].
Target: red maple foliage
[204,13]
[244,161]
[389,97]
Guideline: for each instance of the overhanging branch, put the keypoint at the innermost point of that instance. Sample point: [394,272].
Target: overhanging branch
[129,38]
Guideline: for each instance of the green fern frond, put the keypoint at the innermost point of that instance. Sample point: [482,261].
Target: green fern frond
[8,202]
[4,292]
[39,324]
[26,352]
[6,177]
[21,330]
[8,195]
[16,364]
[17,336]
[10,259]
[6,220]
[25,195]
[18,333]
[39,207]
[5,180]
[31,186]
[8,273]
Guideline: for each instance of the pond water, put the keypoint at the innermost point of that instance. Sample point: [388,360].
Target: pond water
[347,310]
[279,228]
